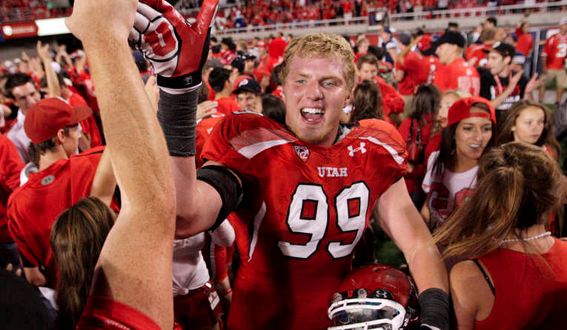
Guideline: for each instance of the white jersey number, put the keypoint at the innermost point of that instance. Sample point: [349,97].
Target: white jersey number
[316,226]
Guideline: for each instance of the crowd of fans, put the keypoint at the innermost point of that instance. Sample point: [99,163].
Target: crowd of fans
[454,101]
[264,12]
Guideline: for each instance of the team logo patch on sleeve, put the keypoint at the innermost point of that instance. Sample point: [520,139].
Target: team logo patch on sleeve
[302,153]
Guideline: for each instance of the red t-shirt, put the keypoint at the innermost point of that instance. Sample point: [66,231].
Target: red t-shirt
[476,53]
[432,64]
[416,72]
[227,105]
[88,125]
[458,75]
[34,207]
[530,290]
[305,209]
[555,50]
[525,42]
[347,6]
[10,167]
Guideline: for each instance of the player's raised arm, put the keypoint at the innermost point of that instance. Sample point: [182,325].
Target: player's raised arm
[400,219]
[177,51]
[133,273]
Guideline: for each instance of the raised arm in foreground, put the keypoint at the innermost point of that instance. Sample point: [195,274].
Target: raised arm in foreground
[134,267]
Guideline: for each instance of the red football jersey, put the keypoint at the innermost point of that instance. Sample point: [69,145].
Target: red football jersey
[203,131]
[555,50]
[34,207]
[305,209]
[10,167]
[458,75]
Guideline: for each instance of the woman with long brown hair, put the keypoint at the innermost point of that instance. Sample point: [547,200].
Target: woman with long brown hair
[517,277]
[76,239]
[451,171]
[530,122]
[416,130]
[366,103]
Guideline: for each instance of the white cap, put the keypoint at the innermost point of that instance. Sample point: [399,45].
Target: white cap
[563,21]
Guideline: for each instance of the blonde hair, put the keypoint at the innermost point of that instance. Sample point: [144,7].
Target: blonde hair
[324,45]
[519,185]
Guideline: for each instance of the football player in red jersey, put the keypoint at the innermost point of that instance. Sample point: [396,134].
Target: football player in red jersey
[553,61]
[303,192]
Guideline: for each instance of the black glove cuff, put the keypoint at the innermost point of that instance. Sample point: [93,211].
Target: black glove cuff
[192,79]
[434,304]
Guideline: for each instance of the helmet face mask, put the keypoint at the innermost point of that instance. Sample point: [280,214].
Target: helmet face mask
[374,297]
[366,313]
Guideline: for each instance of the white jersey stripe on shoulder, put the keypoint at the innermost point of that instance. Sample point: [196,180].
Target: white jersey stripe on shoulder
[399,159]
[254,149]
[257,222]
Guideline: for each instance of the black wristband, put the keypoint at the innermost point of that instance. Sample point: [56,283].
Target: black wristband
[434,304]
[187,81]
[177,116]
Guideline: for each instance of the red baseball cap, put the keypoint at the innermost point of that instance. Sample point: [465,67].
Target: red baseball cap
[48,116]
[424,44]
[461,110]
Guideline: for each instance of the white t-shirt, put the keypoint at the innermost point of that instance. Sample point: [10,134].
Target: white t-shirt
[447,191]
[189,269]
[18,136]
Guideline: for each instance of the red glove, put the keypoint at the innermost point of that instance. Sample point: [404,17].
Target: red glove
[176,49]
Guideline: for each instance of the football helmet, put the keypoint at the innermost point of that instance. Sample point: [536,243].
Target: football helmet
[374,297]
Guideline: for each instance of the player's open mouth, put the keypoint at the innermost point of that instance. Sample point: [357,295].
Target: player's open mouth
[312,114]
[474,146]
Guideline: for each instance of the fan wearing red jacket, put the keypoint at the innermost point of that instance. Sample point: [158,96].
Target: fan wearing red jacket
[553,62]
[456,73]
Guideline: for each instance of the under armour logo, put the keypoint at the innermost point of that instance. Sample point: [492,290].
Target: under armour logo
[352,150]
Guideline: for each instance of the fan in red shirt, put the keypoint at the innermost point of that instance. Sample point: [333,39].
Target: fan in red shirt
[525,43]
[553,62]
[228,51]
[475,54]
[456,73]
[392,101]
[412,70]
[63,179]
[221,82]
